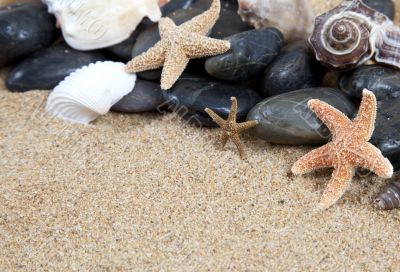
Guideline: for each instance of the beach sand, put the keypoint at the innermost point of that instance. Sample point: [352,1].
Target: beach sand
[147,192]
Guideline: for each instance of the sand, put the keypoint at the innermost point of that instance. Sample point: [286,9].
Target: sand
[147,192]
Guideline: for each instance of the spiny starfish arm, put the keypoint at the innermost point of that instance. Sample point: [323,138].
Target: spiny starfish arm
[369,157]
[330,116]
[175,62]
[224,139]
[165,26]
[246,125]
[197,46]
[236,140]
[202,23]
[151,59]
[216,118]
[316,159]
[365,121]
[341,178]
[233,111]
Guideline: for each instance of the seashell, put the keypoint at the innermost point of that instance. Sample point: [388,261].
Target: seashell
[90,91]
[389,198]
[93,24]
[352,33]
[280,14]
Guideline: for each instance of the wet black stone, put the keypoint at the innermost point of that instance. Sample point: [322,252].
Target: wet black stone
[386,135]
[250,53]
[384,82]
[293,69]
[146,96]
[123,50]
[191,95]
[175,5]
[384,6]
[46,68]
[286,118]
[24,29]
[228,23]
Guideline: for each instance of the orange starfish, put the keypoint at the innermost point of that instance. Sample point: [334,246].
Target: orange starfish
[348,149]
[230,128]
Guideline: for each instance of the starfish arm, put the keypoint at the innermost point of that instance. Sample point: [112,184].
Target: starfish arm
[330,116]
[216,118]
[341,178]
[365,121]
[233,111]
[175,62]
[197,46]
[165,26]
[317,158]
[370,157]
[246,125]
[236,140]
[202,23]
[224,139]
[151,59]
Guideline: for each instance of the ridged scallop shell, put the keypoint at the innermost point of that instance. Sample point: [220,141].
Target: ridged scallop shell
[90,91]
[389,198]
[93,24]
[294,18]
[352,33]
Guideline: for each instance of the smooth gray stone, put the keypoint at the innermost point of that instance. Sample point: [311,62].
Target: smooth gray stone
[24,29]
[251,51]
[383,81]
[46,68]
[386,7]
[146,96]
[191,95]
[293,69]
[286,118]
[386,135]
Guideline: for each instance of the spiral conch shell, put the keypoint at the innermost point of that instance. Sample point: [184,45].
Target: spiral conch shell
[90,91]
[93,24]
[353,33]
[294,18]
[389,198]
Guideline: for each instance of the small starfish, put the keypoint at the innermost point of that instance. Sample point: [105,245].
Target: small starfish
[230,128]
[348,149]
[178,44]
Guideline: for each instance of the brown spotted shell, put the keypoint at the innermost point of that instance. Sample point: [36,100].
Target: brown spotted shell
[350,34]
[389,198]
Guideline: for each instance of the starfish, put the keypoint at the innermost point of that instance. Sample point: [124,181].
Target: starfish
[180,43]
[230,128]
[348,149]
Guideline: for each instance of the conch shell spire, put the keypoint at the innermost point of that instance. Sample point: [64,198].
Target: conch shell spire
[353,33]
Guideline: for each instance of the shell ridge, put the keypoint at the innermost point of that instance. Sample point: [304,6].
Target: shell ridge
[90,91]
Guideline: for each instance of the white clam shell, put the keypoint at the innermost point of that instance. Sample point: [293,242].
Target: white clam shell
[294,18]
[93,24]
[90,91]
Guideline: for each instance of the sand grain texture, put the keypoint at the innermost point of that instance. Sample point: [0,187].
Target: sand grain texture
[147,193]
